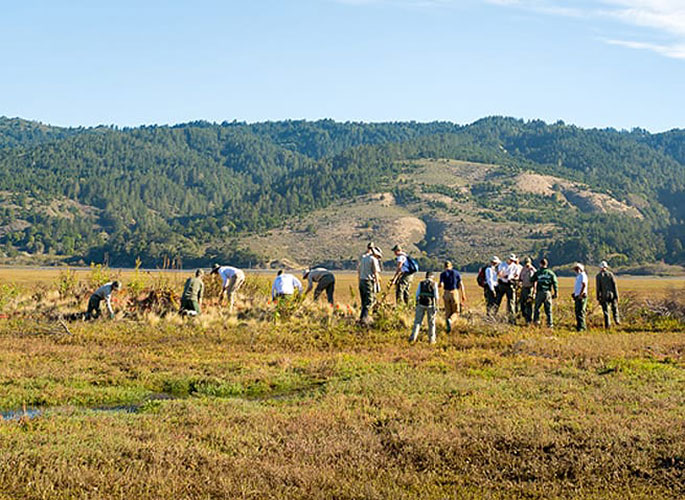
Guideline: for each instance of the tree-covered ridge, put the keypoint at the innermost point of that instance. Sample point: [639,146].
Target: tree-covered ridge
[188,191]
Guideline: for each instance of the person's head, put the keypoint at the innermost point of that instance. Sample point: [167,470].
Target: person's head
[495,261]
[604,265]
[512,258]
[397,249]
[305,273]
[528,262]
[116,285]
[280,272]
[544,263]
[429,275]
[199,273]
[578,267]
[215,269]
[448,264]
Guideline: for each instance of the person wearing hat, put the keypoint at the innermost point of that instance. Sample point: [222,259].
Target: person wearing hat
[369,274]
[451,281]
[607,294]
[507,275]
[527,289]
[403,276]
[193,290]
[427,297]
[490,289]
[579,295]
[325,281]
[103,293]
[232,279]
[547,289]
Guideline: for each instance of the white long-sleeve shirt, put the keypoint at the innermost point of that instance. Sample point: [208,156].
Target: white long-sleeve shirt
[285,284]
[105,293]
[491,278]
[578,286]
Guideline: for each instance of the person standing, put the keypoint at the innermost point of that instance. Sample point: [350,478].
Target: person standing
[403,276]
[451,281]
[579,295]
[607,294]
[191,299]
[325,281]
[369,274]
[527,290]
[490,288]
[285,285]
[547,289]
[426,305]
[103,293]
[507,274]
[232,279]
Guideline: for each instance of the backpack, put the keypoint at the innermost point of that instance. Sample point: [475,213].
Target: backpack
[480,279]
[412,265]
[426,293]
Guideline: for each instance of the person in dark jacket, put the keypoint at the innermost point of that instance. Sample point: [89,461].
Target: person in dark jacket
[193,290]
[547,290]
[607,294]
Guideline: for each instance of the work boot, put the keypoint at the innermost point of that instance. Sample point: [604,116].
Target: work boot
[449,326]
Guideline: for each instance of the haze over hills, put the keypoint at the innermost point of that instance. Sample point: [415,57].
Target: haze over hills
[315,192]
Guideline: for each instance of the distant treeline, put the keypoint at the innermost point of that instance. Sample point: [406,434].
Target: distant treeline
[186,192]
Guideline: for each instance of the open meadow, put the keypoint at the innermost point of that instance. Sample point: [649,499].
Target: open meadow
[297,401]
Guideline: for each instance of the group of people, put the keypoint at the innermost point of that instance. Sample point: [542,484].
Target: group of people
[527,290]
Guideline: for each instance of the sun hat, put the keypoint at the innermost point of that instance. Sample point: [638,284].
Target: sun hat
[496,260]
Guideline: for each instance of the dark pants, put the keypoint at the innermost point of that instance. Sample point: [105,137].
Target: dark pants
[367,292]
[580,310]
[94,310]
[543,299]
[506,290]
[190,305]
[327,284]
[527,297]
[490,301]
[607,307]
[402,287]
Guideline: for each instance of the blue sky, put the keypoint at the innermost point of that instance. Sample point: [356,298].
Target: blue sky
[595,63]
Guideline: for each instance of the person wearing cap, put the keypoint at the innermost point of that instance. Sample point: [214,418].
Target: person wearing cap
[451,281]
[607,294]
[193,290]
[547,289]
[427,298]
[507,275]
[103,293]
[403,276]
[285,285]
[325,281]
[580,289]
[369,274]
[232,279]
[490,289]
[527,289]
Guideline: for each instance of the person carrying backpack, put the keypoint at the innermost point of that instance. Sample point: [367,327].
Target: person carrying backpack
[427,297]
[404,273]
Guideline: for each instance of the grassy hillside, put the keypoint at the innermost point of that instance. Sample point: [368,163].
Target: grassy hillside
[253,193]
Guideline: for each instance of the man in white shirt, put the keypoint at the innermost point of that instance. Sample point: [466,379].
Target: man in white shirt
[232,279]
[285,285]
[507,275]
[580,290]
[490,289]
[103,293]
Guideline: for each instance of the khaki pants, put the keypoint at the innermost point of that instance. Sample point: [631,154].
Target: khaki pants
[451,299]
[402,288]
[367,292]
[233,286]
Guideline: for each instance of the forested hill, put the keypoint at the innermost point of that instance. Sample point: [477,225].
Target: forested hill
[201,192]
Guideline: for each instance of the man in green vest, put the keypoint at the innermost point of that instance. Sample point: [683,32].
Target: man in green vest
[547,290]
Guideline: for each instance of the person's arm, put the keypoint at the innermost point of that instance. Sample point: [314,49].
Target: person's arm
[273,290]
[613,282]
[310,284]
[583,287]
[398,273]
[436,295]
[598,282]
[298,284]
[377,271]
[462,292]
[555,286]
[201,293]
[108,300]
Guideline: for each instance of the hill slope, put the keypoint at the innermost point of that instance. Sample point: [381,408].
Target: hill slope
[314,191]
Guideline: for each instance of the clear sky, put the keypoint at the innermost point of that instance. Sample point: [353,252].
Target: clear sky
[595,63]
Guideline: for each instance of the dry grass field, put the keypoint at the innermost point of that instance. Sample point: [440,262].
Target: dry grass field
[297,401]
